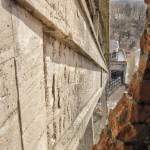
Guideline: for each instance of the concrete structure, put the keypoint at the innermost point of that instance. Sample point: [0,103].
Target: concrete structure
[87,141]
[118,65]
[117,62]
[52,73]
[114,46]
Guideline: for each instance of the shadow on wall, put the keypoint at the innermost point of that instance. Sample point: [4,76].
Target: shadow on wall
[14,8]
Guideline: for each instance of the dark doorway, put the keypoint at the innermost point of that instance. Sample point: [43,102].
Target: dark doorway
[116,74]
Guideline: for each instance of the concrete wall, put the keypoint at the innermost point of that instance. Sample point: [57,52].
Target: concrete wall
[52,73]
[87,142]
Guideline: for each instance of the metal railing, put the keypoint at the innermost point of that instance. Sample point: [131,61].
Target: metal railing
[112,85]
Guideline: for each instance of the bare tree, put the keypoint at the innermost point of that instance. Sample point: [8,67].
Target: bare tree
[126,22]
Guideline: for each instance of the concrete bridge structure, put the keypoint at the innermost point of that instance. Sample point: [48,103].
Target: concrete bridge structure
[52,73]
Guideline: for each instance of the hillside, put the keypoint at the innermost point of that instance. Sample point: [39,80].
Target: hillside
[126,22]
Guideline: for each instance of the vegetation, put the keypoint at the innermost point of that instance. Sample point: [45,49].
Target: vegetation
[126,22]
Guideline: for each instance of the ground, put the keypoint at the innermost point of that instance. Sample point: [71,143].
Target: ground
[115,97]
[98,119]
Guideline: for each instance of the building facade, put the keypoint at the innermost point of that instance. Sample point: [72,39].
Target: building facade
[52,73]
[118,65]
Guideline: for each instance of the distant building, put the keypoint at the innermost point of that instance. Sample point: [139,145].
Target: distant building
[114,46]
[118,64]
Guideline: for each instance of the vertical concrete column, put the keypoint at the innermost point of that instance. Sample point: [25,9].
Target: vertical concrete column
[28,36]
[88,139]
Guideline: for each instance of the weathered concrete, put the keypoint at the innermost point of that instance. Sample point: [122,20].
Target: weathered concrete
[9,123]
[52,73]
[72,28]
[28,36]
[6,32]
[100,115]
[87,141]
[69,80]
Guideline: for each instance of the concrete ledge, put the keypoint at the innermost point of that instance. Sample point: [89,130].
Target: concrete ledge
[72,136]
[76,34]
[86,11]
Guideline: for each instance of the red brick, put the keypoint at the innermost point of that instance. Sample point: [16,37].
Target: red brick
[140,113]
[121,115]
[143,64]
[145,91]
[127,134]
[134,86]
[105,140]
[140,90]
[112,145]
[147,1]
